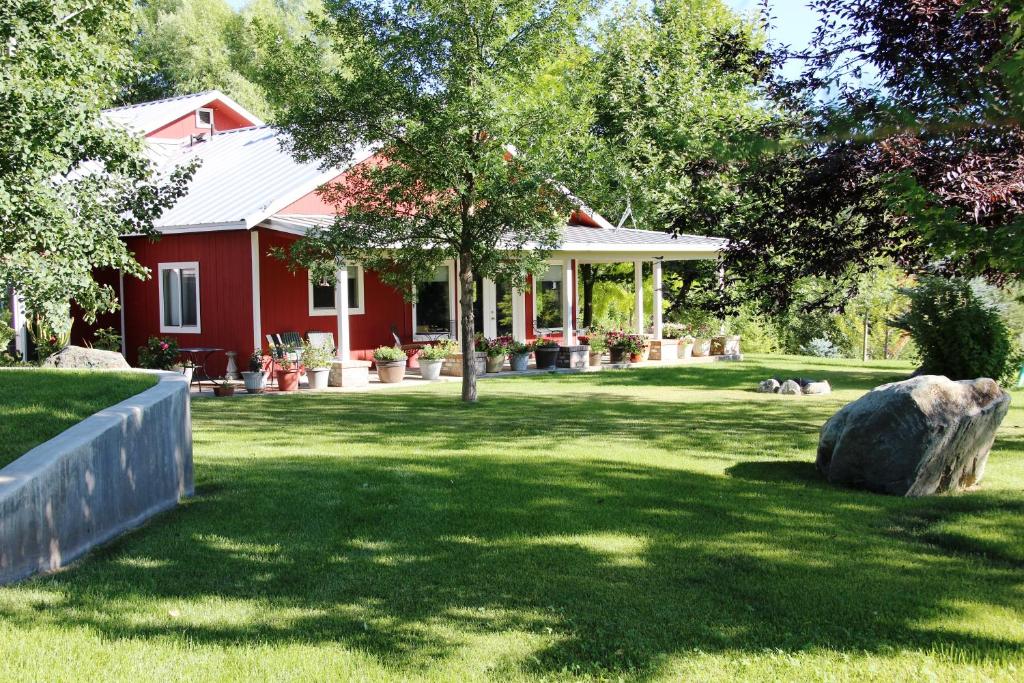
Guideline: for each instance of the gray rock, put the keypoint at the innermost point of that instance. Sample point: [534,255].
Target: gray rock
[923,436]
[821,387]
[790,388]
[769,386]
[81,357]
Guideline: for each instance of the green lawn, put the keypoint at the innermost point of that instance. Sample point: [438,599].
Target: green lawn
[36,405]
[652,524]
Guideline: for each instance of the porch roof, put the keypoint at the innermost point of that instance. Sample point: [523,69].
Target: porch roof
[581,242]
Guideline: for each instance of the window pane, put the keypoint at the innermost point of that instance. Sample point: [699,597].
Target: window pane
[171,299]
[189,298]
[353,292]
[323,296]
[549,299]
[433,306]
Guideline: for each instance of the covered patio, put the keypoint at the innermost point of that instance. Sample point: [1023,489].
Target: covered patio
[530,314]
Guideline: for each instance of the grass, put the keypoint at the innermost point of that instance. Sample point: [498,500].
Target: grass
[38,405]
[653,524]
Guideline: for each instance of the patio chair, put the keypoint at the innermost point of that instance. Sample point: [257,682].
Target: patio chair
[324,340]
[412,351]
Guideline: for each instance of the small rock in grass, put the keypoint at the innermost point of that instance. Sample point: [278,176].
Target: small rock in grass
[821,387]
[769,386]
[790,388]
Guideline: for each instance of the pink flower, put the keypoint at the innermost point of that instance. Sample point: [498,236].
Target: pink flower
[163,345]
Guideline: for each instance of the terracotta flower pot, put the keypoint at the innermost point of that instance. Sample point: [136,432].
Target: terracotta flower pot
[495,363]
[223,390]
[595,359]
[287,380]
[391,372]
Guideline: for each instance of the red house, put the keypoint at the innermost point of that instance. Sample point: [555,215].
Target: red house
[215,283]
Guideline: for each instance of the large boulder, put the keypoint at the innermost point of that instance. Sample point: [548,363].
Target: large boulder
[769,386]
[81,357]
[791,388]
[923,436]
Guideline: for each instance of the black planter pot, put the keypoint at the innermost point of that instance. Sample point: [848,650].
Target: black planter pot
[546,356]
[618,356]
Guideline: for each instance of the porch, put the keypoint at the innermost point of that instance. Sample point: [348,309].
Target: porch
[547,307]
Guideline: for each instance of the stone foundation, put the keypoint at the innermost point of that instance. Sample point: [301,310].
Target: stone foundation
[349,373]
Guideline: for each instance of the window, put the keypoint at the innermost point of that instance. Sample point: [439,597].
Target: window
[547,300]
[433,314]
[321,294]
[179,297]
[204,118]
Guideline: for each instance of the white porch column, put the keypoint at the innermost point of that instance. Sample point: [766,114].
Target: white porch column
[657,299]
[518,315]
[341,306]
[568,288]
[18,323]
[638,293]
[257,323]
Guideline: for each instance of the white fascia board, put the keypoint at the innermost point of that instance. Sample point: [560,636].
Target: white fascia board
[200,227]
[218,95]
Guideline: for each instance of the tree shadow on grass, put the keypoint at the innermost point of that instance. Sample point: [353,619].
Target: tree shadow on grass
[401,525]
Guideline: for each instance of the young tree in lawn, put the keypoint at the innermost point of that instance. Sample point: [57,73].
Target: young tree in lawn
[71,184]
[468,167]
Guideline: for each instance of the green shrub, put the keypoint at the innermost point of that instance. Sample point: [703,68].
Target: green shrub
[388,354]
[158,354]
[441,349]
[6,331]
[316,356]
[106,339]
[956,333]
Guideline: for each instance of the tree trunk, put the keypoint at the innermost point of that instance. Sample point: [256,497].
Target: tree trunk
[467,324]
[867,327]
[588,276]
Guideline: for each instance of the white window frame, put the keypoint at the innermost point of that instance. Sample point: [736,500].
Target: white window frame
[540,331]
[180,329]
[360,307]
[199,118]
[452,308]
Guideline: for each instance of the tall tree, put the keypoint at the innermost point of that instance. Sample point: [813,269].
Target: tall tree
[71,184]
[469,170]
[186,46]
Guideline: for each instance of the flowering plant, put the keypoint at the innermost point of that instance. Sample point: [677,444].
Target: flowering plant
[256,360]
[494,347]
[627,343]
[675,330]
[546,342]
[388,354]
[159,353]
[518,348]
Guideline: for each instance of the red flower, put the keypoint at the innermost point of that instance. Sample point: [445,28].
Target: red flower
[163,345]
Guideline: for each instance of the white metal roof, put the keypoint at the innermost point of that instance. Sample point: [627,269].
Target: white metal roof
[579,241]
[245,175]
[149,116]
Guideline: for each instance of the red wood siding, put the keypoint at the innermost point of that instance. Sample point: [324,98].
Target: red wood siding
[284,304]
[225,292]
[224,118]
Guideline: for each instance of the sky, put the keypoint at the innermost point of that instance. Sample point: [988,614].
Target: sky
[794,22]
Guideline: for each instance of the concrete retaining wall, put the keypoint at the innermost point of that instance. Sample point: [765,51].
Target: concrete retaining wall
[107,474]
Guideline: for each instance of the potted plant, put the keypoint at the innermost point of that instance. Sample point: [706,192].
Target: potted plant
[390,364]
[519,355]
[702,340]
[222,387]
[686,346]
[287,373]
[255,379]
[597,348]
[496,350]
[317,360]
[668,347]
[433,357]
[622,345]
[546,352]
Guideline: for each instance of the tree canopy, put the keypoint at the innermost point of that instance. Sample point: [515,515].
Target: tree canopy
[71,184]
[468,169]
